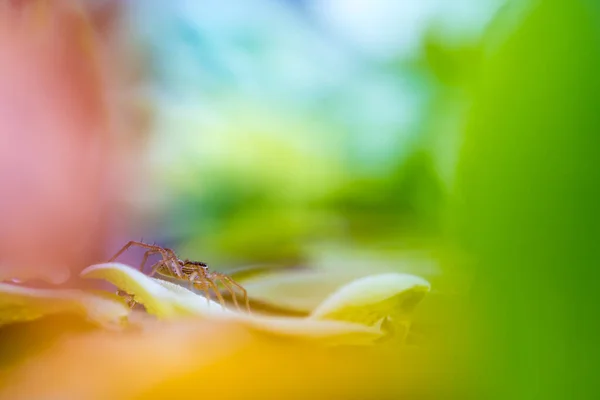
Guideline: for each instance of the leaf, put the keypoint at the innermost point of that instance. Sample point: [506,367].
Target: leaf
[20,304]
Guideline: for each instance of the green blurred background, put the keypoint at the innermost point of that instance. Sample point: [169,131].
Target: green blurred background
[451,139]
[287,131]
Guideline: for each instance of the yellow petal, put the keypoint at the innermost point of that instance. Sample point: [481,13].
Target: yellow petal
[324,331]
[166,299]
[161,298]
[209,359]
[19,304]
[374,298]
[301,291]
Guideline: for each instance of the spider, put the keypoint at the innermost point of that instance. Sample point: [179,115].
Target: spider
[196,273]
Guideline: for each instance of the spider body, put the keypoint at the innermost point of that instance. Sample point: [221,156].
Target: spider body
[196,273]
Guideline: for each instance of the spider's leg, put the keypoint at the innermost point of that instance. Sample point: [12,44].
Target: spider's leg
[134,243]
[191,278]
[169,251]
[131,302]
[176,268]
[169,254]
[128,297]
[216,290]
[168,265]
[155,267]
[230,281]
[146,255]
[123,249]
[206,281]
[202,286]
[219,278]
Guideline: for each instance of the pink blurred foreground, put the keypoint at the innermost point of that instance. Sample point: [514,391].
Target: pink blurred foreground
[59,139]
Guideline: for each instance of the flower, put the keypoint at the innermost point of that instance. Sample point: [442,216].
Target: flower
[194,347]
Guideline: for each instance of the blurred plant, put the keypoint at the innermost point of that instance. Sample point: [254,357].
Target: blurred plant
[527,203]
[271,154]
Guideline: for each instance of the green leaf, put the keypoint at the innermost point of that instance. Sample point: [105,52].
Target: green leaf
[20,304]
